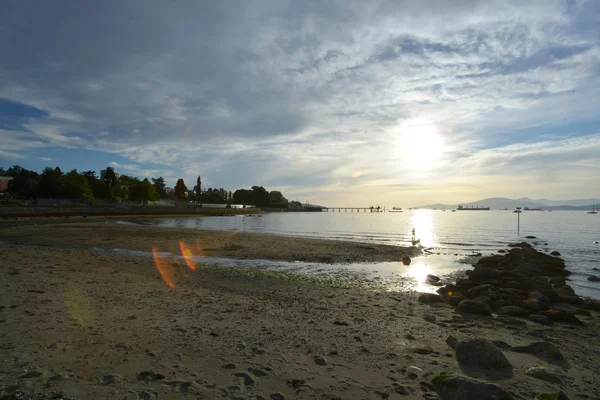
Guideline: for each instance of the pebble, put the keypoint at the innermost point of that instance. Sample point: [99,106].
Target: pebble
[547,374]
[277,396]
[319,360]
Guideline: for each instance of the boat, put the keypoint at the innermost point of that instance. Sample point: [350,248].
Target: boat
[453,210]
[533,209]
[461,208]
[395,210]
[593,210]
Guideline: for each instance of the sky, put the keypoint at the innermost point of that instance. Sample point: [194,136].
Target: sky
[338,103]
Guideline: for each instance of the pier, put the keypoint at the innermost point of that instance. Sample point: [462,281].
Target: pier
[353,209]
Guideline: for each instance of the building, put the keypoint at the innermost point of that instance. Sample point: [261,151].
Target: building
[103,173]
[4,183]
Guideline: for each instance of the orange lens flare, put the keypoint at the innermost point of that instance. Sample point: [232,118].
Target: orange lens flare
[166,268]
[188,253]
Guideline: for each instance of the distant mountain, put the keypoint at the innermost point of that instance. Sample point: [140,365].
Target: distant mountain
[498,203]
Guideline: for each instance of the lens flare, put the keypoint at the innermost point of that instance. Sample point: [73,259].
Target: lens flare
[166,268]
[188,129]
[189,253]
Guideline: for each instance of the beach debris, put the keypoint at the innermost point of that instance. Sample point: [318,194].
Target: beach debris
[480,358]
[458,387]
[429,298]
[543,350]
[547,374]
[473,307]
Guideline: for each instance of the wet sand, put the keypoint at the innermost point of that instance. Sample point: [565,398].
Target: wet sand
[110,235]
[103,325]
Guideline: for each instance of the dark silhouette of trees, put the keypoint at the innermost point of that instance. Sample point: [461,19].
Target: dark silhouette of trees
[160,186]
[143,191]
[181,189]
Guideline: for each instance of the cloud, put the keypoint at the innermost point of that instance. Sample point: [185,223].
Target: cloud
[46,158]
[303,95]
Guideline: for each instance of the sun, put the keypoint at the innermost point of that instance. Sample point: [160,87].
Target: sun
[419,147]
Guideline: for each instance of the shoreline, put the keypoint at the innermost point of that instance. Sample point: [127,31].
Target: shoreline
[102,325]
[226,244]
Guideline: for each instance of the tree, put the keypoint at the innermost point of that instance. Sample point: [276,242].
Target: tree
[243,196]
[295,204]
[180,189]
[110,177]
[261,196]
[2,171]
[91,177]
[160,186]
[76,186]
[51,184]
[143,191]
[24,182]
[277,197]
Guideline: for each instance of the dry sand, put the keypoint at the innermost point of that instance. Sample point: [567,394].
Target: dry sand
[101,325]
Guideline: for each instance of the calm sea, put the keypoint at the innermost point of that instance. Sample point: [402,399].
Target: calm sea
[448,235]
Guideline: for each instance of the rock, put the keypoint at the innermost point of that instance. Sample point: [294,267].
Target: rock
[111,380]
[429,317]
[406,260]
[581,311]
[422,350]
[572,300]
[596,269]
[473,307]
[402,390]
[510,320]
[543,350]
[247,379]
[144,395]
[432,279]
[457,387]
[562,316]
[31,374]
[547,374]
[454,300]
[564,290]
[319,360]
[592,304]
[594,278]
[555,253]
[480,290]
[540,319]
[536,305]
[530,237]
[552,396]
[485,299]
[277,396]
[430,298]
[149,376]
[511,311]
[501,251]
[479,358]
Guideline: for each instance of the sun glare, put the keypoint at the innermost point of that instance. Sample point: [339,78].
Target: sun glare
[420,147]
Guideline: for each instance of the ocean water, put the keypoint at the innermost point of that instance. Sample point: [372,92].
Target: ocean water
[447,236]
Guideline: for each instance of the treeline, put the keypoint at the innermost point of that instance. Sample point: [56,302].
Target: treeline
[53,183]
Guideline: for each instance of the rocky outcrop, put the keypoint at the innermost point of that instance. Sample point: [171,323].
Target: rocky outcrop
[522,283]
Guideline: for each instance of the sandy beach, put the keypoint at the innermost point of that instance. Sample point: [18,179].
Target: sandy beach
[106,326]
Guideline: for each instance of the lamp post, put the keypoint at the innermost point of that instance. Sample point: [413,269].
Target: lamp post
[518,220]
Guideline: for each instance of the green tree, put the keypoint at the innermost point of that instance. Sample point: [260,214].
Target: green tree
[160,186]
[295,204]
[243,196]
[91,177]
[76,186]
[180,189]
[2,171]
[277,199]
[51,184]
[143,191]
[101,191]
